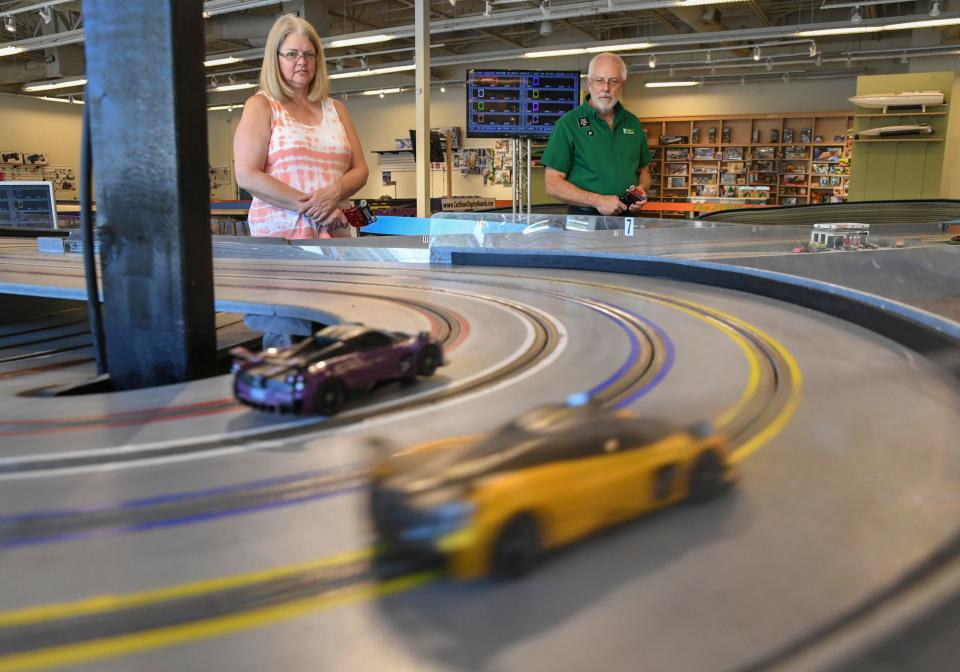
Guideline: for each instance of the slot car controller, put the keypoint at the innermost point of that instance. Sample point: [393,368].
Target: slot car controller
[359,215]
[634,194]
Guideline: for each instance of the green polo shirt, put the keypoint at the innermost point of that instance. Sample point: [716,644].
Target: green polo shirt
[594,157]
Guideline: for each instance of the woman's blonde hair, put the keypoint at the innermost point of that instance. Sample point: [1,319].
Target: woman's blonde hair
[271,80]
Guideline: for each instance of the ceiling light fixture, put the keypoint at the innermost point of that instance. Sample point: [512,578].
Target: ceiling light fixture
[935,7]
[545,7]
[376,71]
[363,62]
[756,53]
[380,92]
[856,16]
[546,27]
[355,41]
[570,51]
[709,56]
[443,89]
[664,85]
[904,59]
[769,64]
[813,49]
[58,84]
[9,24]
[743,80]
[786,78]
[653,61]
[487,8]
[819,60]
[235,87]
[46,14]
[224,60]
[849,62]
[453,3]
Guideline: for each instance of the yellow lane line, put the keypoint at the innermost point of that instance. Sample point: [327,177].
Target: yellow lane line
[104,603]
[779,421]
[713,318]
[121,645]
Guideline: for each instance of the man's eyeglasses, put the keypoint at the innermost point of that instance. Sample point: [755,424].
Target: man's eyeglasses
[612,81]
[293,54]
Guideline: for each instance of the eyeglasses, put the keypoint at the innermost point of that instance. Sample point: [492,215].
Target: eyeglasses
[614,82]
[293,55]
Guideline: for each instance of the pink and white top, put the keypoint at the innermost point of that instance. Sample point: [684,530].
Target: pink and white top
[307,157]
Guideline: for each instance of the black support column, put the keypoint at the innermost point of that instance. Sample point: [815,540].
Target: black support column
[147,96]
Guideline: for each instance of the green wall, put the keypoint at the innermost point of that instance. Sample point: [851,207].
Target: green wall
[900,169]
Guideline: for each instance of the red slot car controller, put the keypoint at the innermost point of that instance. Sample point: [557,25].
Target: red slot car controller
[634,194]
[359,215]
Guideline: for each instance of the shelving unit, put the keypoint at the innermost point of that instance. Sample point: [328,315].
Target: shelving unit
[902,167]
[727,157]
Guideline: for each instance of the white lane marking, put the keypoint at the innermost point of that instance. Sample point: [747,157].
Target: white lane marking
[274,443]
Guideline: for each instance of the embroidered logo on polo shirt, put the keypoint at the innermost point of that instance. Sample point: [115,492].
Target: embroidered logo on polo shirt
[629,131]
[583,121]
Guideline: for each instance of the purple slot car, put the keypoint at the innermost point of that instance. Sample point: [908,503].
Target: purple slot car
[317,374]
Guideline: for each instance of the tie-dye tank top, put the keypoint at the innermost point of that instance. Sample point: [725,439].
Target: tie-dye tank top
[307,157]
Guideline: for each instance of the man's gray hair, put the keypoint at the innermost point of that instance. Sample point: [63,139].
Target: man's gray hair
[608,54]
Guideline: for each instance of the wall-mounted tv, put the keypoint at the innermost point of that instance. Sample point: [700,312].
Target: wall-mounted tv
[518,103]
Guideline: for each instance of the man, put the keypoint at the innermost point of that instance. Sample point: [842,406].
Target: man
[599,149]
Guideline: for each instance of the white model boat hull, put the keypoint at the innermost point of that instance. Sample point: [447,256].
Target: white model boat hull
[905,99]
[895,131]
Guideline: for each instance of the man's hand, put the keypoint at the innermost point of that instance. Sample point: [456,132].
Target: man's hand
[609,205]
[320,204]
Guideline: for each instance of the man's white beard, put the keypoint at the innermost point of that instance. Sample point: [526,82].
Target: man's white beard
[604,106]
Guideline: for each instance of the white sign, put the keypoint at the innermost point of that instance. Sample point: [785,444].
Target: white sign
[628,226]
[466,203]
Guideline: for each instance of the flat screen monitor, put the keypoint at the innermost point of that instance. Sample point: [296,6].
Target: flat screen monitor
[436,149]
[29,205]
[518,103]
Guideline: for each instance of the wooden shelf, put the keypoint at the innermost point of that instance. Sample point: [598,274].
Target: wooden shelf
[903,114]
[903,140]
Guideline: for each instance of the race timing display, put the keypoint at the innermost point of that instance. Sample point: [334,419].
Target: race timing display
[518,103]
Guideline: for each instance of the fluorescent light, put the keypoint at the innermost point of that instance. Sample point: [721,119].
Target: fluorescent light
[375,71]
[840,31]
[698,3]
[75,101]
[929,23]
[10,51]
[554,52]
[214,108]
[618,47]
[224,60]
[380,92]
[354,41]
[234,87]
[547,53]
[59,84]
[664,85]
[909,25]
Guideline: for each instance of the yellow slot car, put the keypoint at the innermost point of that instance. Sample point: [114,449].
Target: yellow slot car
[548,478]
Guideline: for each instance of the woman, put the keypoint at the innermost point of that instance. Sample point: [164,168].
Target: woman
[296,149]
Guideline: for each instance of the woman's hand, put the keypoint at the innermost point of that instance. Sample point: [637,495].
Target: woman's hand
[320,204]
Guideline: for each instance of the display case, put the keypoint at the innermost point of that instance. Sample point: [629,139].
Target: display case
[727,156]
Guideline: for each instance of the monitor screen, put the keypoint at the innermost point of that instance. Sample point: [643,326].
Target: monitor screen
[436,147]
[518,103]
[29,205]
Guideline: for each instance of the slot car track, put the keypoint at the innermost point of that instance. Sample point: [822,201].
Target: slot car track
[176,528]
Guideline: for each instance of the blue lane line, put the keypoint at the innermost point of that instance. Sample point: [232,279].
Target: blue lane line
[633,356]
[116,531]
[180,496]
